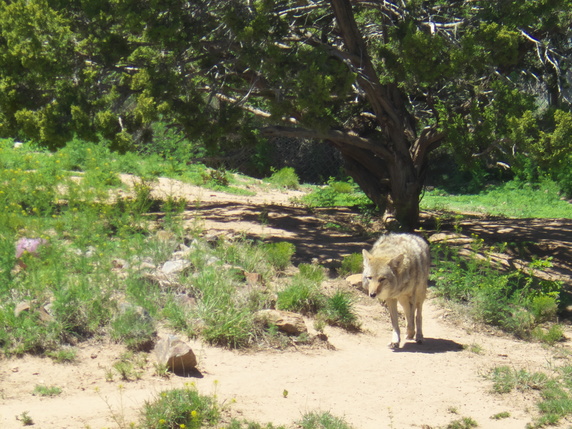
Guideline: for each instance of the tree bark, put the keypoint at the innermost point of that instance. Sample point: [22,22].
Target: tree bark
[397,166]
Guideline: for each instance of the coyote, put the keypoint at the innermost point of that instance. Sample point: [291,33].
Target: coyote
[397,269]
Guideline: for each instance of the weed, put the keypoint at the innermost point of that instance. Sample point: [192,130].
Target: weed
[181,408]
[516,301]
[279,254]
[463,423]
[505,379]
[302,295]
[216,179]
[501,415]
[312,272]
[474,348]
[134,328]
[550,336]
[322,420]
[237,424]
[41,390]
[285,178]
[338,310]
[130,367]
[351,264]
[336,194]
[63,355]
[25,419]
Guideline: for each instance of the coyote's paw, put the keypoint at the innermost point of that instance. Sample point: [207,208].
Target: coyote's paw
[393,345]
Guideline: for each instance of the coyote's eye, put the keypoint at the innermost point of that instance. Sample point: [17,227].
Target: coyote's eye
[369,277]
[381,279]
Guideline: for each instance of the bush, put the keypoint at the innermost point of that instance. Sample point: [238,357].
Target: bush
[134,328]
[325,420]
[178,408]
[285,178]
[301,296]
[339,311]
[517,302]
[351,264]
[279,254]
[336,194]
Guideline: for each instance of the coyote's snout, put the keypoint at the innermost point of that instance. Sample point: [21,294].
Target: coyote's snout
[397,269]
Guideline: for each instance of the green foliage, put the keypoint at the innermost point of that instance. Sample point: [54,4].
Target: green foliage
[513,199]
[301,296]
[351,264]
[505,379]
[556,398]
[285,178]
[134,328]
[335,194]
[338,310]
[515,301]
[177,408]
[41,390]
[279,254]
[464,423]
[322,420]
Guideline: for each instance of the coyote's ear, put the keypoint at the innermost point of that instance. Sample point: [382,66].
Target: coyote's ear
[396,262]
[366,256]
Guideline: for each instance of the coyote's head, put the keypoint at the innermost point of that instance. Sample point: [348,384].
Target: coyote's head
[379,274]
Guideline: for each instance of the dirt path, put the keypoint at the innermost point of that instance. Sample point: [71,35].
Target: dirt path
[361,380]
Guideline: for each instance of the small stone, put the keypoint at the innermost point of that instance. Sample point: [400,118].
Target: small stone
[286,321]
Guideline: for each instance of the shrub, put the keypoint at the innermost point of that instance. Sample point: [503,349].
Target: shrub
[325,420]
[336,194]
[517,302]
[351,264]
[339,310]
[285,178]
[279,254]
[178,408]
[312,272]
[134,328]
[302,296]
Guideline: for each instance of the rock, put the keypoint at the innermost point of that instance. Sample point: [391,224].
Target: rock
[44,312]
[355,280]
[286,321]
[20,307]
[253,279]
[175,354]
[176,266]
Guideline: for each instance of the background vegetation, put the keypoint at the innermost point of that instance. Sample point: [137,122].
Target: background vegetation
[479,100]
[472,90]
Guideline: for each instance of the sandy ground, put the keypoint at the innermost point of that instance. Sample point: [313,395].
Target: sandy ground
[359,378]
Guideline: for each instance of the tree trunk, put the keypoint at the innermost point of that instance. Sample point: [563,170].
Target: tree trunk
[396,139]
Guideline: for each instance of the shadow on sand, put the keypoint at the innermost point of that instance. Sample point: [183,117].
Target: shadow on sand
[430,345]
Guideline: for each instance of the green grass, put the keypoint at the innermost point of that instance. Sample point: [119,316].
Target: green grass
[63,199]
[322,420]
[41,390]
[516,301]
[186,408]
[555,393]
[512,199]
[284,178]
[335,194]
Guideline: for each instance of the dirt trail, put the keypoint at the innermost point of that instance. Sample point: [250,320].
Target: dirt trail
[361,379]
